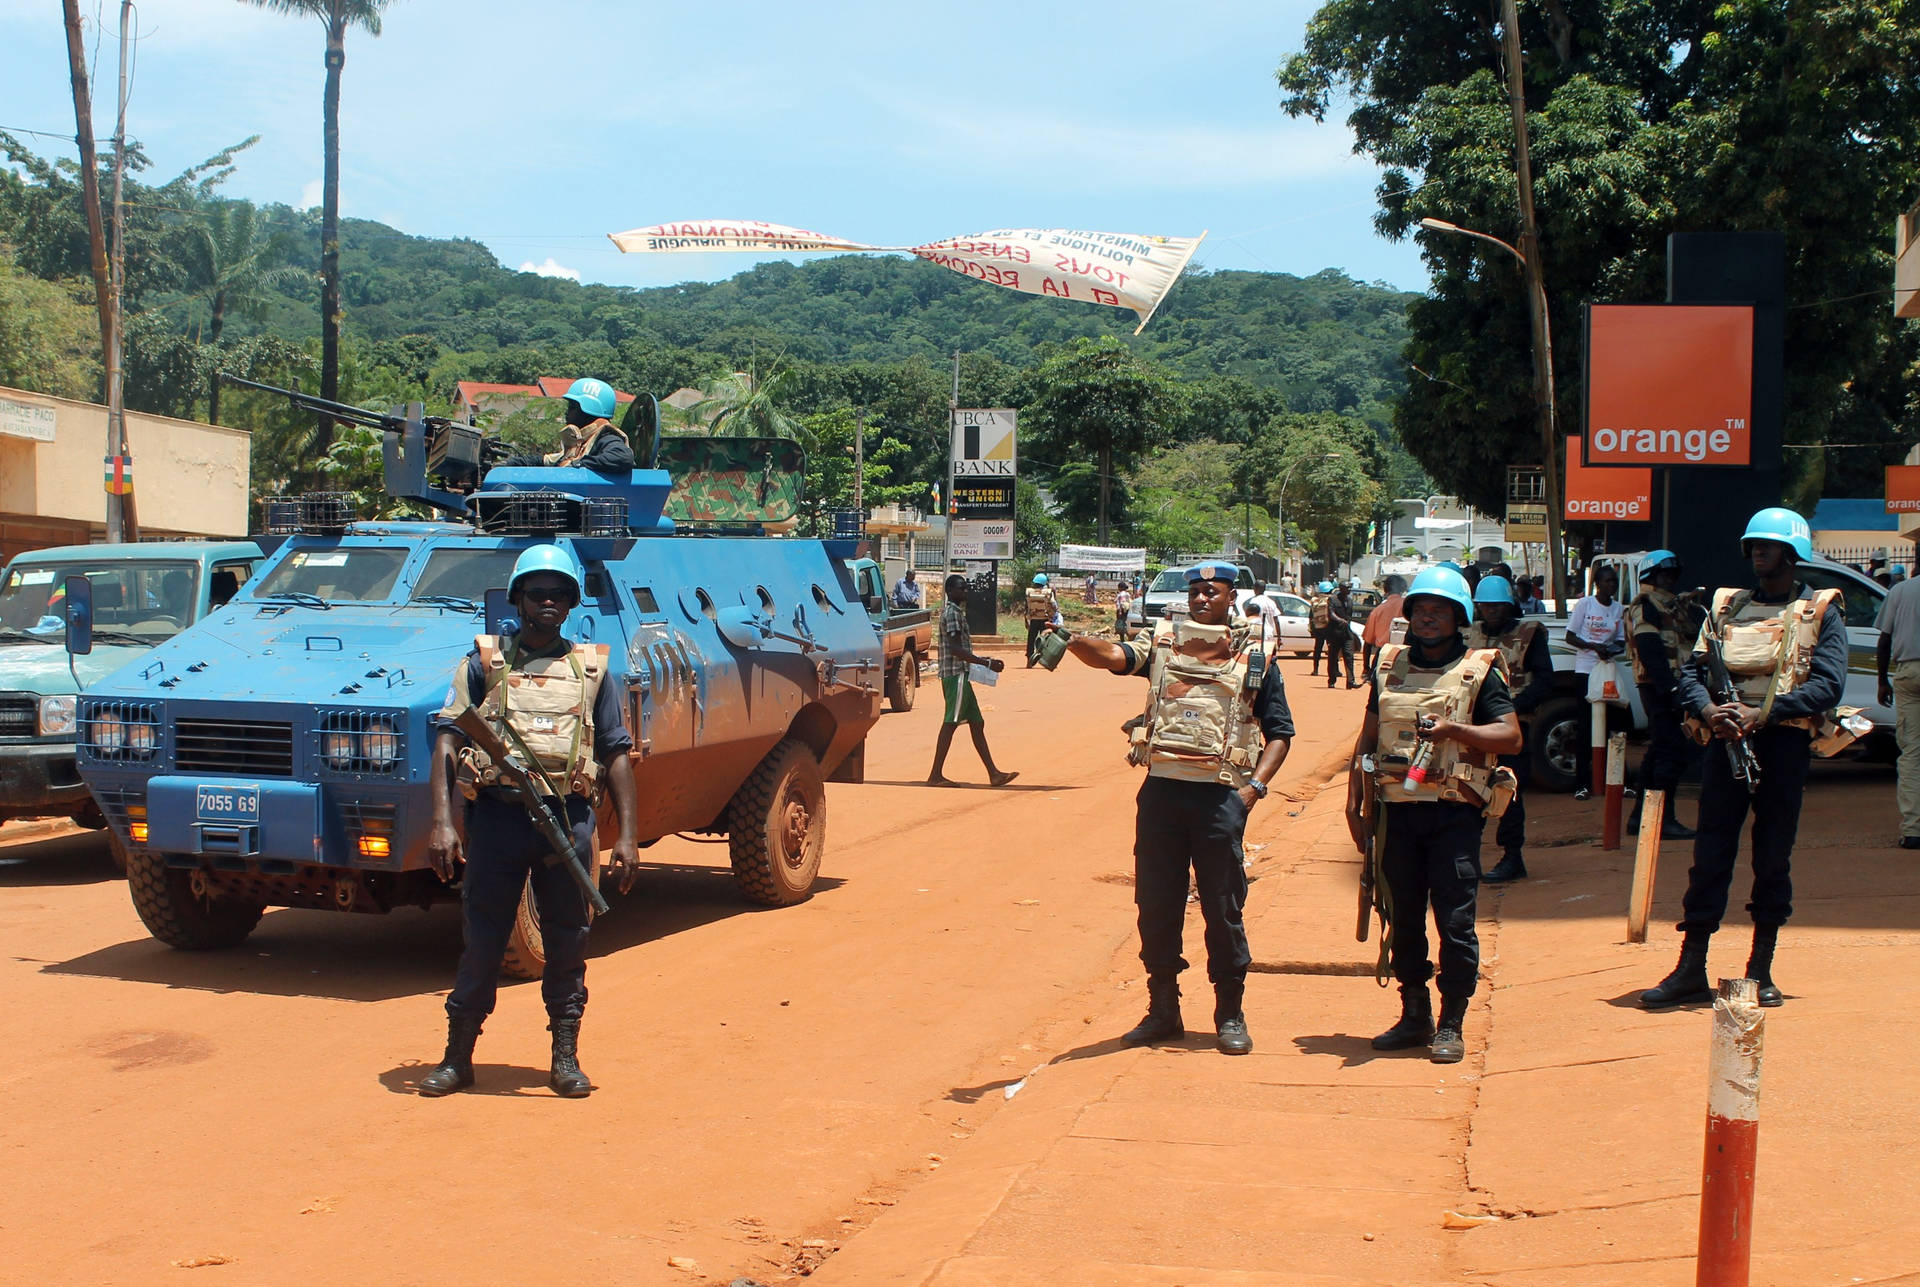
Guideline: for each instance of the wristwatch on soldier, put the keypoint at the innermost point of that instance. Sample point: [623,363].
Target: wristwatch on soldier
[1259,788]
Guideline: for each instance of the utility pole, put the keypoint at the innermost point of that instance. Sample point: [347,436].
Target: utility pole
[860,463]
[96,235]
[116,365]
[953,421]
[1536,309]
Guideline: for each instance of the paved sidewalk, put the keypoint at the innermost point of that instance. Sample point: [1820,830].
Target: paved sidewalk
[1577,1118]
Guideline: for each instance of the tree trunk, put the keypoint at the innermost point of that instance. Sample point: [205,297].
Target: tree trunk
[214,327]
[1106,483]
[96,233]
[330,231]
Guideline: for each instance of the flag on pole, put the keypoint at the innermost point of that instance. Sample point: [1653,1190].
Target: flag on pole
[119,475]
[1119,270]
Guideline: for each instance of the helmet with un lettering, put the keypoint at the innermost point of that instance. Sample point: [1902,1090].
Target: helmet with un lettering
[1039,578]
[545,558]
[1658,561]
[1443,583]
[1777,523]
[595,397]
[1493,589]
[1325,587]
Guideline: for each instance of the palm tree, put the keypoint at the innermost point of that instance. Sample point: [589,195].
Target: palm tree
[751,404]
[336,16]
[233,270]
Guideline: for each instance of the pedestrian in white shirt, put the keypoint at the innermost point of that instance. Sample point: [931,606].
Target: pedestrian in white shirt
[1596,630]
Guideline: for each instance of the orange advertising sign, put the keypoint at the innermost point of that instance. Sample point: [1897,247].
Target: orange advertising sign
[1669,384]
[1903,489]
[1611,494]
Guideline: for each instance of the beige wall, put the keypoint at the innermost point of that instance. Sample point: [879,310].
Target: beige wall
[1906,265]
[190,479]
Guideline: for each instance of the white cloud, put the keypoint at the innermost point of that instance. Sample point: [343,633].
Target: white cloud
[551,269]
[309,196]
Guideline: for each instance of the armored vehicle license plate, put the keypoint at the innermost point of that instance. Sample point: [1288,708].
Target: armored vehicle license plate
[227,803]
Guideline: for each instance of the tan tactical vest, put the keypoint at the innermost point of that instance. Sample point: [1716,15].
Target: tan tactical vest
[1039,603]
[1656,612]
[1406,693]
[546,701]
[1199,724]
[1317,614]
[1512,646]
[1769,646]
[577,440]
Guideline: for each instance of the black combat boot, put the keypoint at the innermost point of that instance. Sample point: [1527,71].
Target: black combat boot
[1448,1046]
[1415,1026]
[1510,867]
[1688,982]
[1671,828]
[1162,1022]
[456,1066]
[1230,1020]
[1760,964]
[567,1080]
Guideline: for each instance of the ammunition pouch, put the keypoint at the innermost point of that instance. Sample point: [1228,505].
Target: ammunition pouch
[1502,787]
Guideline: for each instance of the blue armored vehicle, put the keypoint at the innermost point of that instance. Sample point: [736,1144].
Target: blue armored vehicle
[277,754]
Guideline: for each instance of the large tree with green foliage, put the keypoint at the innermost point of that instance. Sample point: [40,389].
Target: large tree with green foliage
[335,16]
[1095,406]
[1645,119]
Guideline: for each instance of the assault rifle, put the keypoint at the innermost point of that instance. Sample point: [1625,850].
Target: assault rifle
[548,818]
[1746,765]
[1369,810]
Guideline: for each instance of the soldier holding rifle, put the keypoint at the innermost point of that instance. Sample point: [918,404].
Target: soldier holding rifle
[1769,665]
[546,701]
[1422,782]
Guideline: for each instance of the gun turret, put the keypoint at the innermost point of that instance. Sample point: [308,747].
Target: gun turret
[415,446]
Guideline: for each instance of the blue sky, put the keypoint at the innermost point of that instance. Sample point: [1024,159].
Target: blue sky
[539,128]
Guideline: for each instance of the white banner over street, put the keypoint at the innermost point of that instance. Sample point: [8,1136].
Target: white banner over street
[1120,270]
[1102,558]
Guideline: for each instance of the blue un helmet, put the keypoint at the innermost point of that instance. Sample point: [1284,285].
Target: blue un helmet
[1658,561]
[1776,523]
[545,558]
[595,397]
[1494,589]
[1325,587]
[1444,583]
[1039,578]
[1213,572]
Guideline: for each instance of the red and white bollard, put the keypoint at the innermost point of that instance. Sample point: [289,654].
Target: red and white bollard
[1599,743]
[1616,789]
[1733,1136]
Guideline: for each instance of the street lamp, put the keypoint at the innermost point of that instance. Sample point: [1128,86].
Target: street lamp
[1279,506]
[1542,382]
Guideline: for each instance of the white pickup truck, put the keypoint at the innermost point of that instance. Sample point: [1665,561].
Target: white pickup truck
[1561,725]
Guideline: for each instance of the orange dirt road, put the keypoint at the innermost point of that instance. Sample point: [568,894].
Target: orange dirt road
[759,1072]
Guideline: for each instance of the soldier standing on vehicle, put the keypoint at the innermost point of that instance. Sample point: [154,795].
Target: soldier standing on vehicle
[1317,618]
[1215,731]
[1340,635]
[1522,646]
[1419,788]
[549,699]
[590,440]
[956,654]
[1785,652]
[1661,628]
[1043,611]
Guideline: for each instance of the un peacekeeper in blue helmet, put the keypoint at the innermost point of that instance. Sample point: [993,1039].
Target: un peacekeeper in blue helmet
[558,706]
[1420,785]
[1215,731]
[590,440]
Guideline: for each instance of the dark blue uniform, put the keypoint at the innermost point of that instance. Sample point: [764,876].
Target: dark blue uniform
[505,852]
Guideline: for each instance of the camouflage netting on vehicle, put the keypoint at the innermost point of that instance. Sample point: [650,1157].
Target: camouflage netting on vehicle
[733,480]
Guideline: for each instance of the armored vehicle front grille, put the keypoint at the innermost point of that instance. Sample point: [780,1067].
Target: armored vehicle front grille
[17,715]
[234,746]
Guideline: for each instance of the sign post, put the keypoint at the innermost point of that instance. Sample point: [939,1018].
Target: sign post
[984,467]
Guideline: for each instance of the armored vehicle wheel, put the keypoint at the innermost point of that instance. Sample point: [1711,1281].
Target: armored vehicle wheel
[777,826]
[176,908]
[526,954]
[904,683]
[116,851]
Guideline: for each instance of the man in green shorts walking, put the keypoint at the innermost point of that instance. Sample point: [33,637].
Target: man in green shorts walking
[956,654]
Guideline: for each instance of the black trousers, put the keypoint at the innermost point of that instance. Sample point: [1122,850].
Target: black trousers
[1432,858]
[1511,834]
[504,853]
[1784,756]
[1034,629]
[1197,827]
[1668,747]
[1339,647]
[1319,646]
